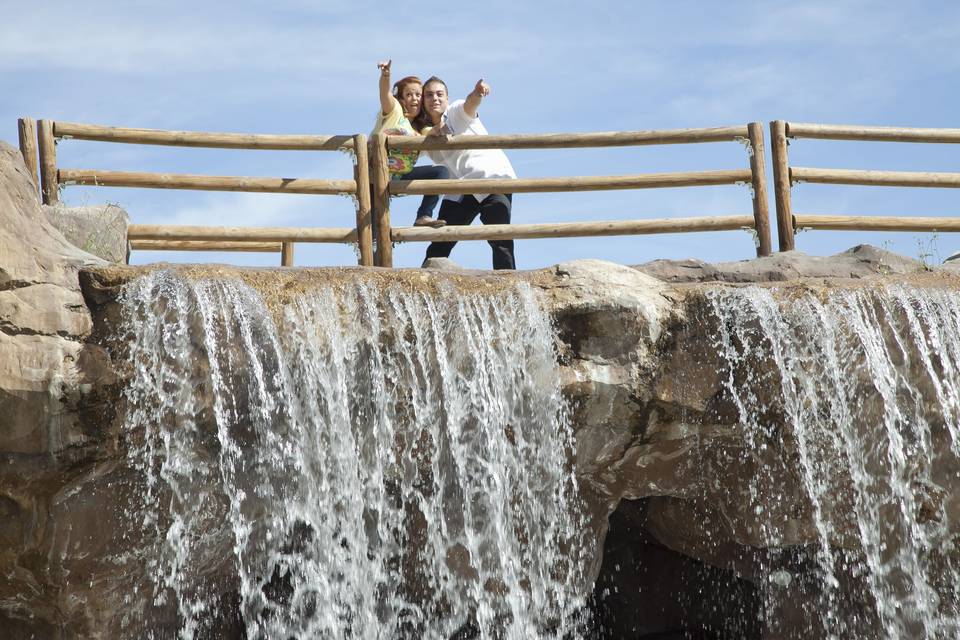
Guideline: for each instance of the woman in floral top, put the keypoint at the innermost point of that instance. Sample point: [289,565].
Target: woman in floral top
[398,109]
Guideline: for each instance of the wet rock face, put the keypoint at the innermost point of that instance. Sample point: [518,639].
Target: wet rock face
[647,590]
[804,440]
[58,393]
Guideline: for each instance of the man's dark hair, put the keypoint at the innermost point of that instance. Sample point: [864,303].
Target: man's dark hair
[435,79]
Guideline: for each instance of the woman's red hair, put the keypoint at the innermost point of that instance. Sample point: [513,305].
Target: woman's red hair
[402,83]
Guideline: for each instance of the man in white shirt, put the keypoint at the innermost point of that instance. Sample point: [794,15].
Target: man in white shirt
[460,118]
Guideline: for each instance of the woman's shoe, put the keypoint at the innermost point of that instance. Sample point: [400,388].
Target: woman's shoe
[427,221]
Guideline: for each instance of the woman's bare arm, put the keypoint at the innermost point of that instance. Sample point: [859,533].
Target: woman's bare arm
[386,98]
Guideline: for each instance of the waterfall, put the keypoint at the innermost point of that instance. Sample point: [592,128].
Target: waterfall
[354,462]
[861,389]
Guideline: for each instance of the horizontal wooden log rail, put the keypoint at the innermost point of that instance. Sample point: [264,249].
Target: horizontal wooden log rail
[876,178]
[587,183]
[100,178]
[205,245]
[256,234]
[876,223]
[572,229]
[200,138]
[870,133]
[785,176]
[570,140]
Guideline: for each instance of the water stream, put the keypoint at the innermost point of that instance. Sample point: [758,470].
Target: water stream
[381,462]
[361,463]
[861,388]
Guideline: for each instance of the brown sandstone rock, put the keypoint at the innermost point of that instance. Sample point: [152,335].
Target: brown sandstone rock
[43,321]
[44,309]
[31,250]
[52,405]
[100,230]
[862,261]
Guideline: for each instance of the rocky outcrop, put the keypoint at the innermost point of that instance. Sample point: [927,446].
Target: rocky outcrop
[862,261]
[52,401]
[47,365]
[98,230]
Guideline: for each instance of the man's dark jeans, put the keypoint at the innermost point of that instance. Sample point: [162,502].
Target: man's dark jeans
[495,209]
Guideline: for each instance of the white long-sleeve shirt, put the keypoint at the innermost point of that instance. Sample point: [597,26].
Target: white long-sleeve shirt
[470,163]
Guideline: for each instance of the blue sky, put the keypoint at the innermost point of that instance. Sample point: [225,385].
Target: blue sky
[294,66]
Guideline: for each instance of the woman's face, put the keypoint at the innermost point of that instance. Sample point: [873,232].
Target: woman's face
[409,99]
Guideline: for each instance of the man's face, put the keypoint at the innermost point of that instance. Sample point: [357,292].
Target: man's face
[435,99]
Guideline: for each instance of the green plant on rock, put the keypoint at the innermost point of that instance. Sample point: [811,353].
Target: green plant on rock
[928,251]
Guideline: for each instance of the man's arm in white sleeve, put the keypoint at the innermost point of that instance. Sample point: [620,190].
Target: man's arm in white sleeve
[480,91]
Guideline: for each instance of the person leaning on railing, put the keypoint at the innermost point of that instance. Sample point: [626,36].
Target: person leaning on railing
[460,118]
[397,111]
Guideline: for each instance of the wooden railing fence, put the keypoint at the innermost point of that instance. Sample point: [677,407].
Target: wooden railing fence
[784,176]
[201,238]
[181,237]
[38,140]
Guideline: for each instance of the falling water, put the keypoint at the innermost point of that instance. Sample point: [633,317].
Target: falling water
[359,463]
[862,389]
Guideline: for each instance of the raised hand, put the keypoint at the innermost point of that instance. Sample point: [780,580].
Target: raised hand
[482,89]
[384,67]
[475,97]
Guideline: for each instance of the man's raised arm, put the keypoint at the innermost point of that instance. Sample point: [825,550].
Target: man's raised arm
[475,98]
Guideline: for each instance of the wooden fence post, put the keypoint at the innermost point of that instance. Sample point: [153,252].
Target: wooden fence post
[758,175]
[361,173]
[286,254]
[48,162]
[781,184]
[381,200]
[26,128]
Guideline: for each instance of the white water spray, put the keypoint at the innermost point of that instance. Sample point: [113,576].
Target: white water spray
[865,387]
[361,464]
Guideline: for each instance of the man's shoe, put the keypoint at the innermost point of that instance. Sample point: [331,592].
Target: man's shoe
[427,221]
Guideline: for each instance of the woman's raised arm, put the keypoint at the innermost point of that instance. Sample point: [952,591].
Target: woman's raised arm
[386,98]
